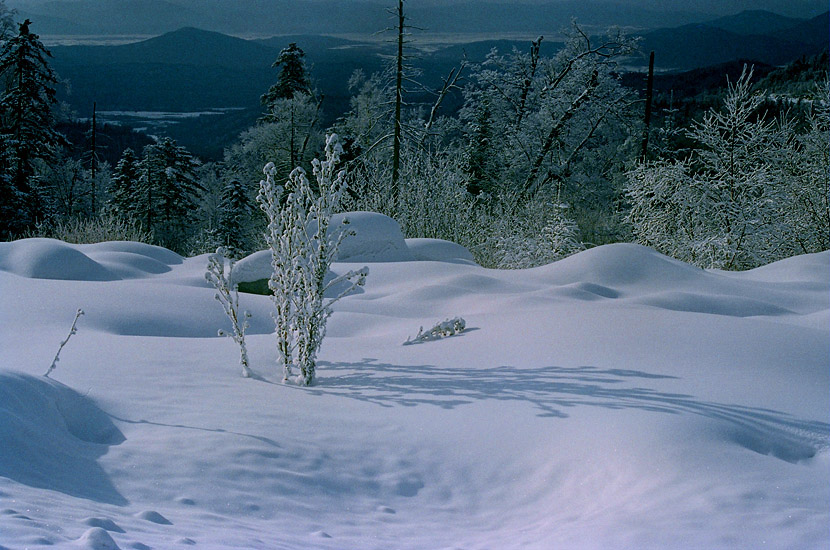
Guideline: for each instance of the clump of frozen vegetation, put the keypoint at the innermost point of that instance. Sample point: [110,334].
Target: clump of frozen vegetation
[754,190]
[72,330]
[302,249]
[449,327]
[227,294]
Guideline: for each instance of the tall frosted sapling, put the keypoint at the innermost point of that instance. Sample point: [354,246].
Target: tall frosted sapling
[303,246]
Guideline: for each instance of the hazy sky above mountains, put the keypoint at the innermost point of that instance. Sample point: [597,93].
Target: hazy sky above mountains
[150,17]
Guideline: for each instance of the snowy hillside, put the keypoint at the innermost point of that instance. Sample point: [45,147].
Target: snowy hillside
[614,399]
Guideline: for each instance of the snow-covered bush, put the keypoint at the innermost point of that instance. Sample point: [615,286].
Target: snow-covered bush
[227,294]
[302,249]
[730,204]
[431,200]
[108,227]
[528,234]
[449,327]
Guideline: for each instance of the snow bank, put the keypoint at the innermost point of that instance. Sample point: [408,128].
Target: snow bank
[378,238]
[438,250]
[52,437]
[615,399]
[109,261]
[50,259]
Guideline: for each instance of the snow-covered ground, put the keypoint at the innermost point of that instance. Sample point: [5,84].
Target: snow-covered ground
[615,399]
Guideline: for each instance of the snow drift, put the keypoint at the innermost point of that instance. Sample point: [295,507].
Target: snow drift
[615,399]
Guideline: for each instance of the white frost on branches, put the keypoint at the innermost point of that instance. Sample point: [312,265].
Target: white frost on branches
[450,327]
[303,246]
[227,294]
[752,191]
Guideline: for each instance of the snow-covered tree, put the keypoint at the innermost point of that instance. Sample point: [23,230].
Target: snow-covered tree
[26,125]
[806,176]
[292,79]
[303,246]
[168,190]
[235,208]
[533,121]
[123,190]
[288,137]
[526,234]
[6,23]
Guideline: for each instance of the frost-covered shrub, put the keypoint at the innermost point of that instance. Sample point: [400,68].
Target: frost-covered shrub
[431,200]
[449,327]
[227,294]
[730,205]
[104,228]
[303,246]
[525,235]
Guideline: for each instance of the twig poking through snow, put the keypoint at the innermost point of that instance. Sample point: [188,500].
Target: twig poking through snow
[450,327]
[72,330]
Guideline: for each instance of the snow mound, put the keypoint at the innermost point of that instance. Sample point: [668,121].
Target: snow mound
[50,259]
[378,238]
[97,539]
[52,437]
[439,250]
[157,253]
[107,261]
[806,267]
[619,265]
[733,306]
[255,267]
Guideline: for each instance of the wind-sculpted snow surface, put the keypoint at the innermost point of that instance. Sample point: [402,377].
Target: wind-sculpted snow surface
[615,399]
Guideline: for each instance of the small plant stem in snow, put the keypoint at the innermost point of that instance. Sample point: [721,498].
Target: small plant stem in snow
[72,330]
[228,295]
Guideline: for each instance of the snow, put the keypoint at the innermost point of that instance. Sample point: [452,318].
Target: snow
[614,399]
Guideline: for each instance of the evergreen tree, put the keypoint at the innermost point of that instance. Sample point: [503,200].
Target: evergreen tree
[235,210]
[292,79]
[168,191]
[26,125]
[6,22]
[123,189]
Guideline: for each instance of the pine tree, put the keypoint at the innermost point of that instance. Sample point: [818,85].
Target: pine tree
[26,125]
[168,190]
[123,189]
[234,217]
[292,79]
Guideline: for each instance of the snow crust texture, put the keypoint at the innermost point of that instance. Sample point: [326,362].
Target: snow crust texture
[614,399]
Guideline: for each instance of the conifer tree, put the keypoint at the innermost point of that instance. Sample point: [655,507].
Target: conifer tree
[123,189]
[26,125]
[234,217]
[292,79]
[168,190]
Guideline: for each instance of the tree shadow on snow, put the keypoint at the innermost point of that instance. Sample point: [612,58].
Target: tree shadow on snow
[552,391]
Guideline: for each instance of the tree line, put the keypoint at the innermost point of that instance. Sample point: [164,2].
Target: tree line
[542,160]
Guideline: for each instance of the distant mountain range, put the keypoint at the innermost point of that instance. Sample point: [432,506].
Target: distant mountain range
[194,70]
[757,35]
[272,17]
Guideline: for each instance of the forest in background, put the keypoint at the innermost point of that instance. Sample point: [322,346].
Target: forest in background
[524,156]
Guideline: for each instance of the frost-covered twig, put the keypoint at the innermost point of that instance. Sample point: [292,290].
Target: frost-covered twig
[450,327]
[72,330]
[228,295]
